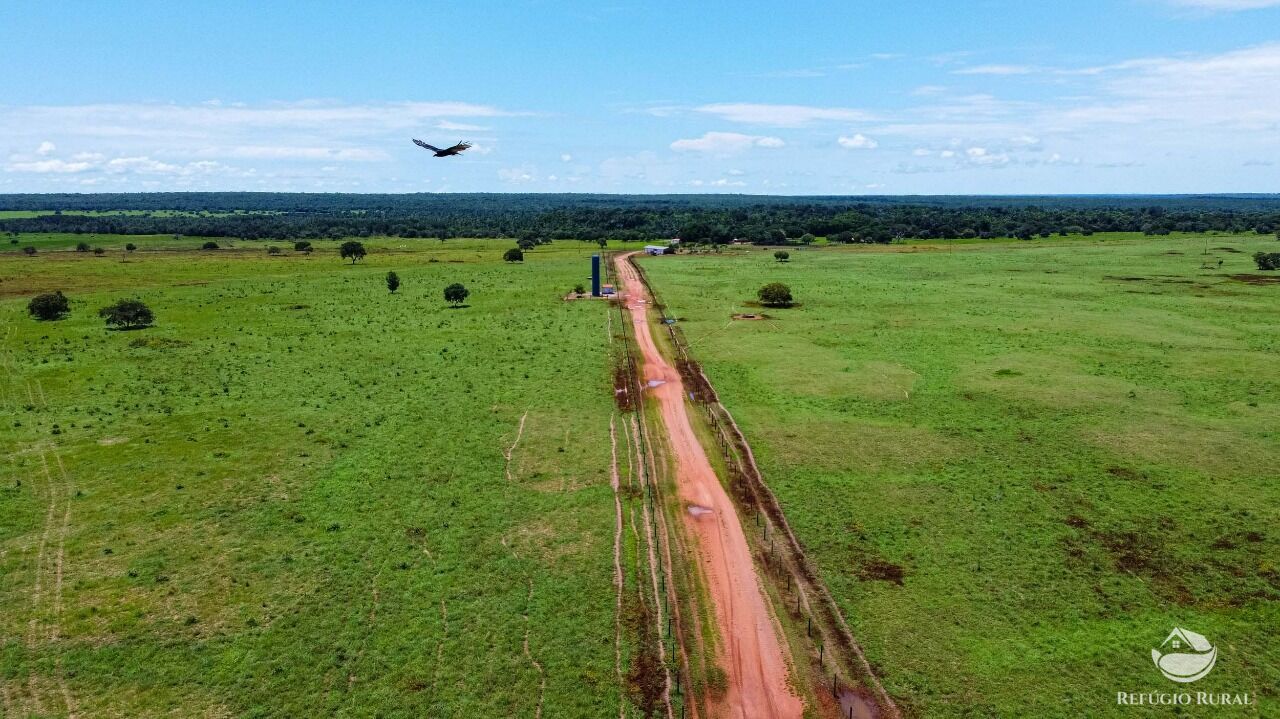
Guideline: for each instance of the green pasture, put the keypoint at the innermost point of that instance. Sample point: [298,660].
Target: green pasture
[1017,465]
[290,496]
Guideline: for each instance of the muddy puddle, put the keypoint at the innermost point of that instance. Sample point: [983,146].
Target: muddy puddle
[854,705]
[698,510]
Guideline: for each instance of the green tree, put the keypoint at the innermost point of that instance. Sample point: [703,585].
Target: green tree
[82,246]
[775,294]
[273,250]
[209,245]
[127,314]
[782,255]
[352,250]
[302,246]
[130,247]
[807,239]
[1267,260]
[49,306]
[455,294]
[515,254]
[393,282]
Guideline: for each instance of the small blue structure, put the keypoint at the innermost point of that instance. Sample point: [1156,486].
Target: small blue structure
[595,275]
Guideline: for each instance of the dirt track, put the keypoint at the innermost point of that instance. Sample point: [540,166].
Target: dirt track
[753,657]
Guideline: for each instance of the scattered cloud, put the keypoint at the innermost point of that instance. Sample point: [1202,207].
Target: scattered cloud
[46,148]
[566,157]
[518,175]
[460,126]
[1226,5]
[996,70]
[725,143]
[857,142]
[43,167]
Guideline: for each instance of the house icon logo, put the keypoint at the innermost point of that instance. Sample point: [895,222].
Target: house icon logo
[1185,656]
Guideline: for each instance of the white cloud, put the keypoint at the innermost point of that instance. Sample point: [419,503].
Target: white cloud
[782,115]
[566,157]
[46,148]
[858,142]
[725,143]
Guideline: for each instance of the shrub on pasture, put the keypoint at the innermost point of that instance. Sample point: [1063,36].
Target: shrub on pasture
[82,246]
[49,306]
[782,255]
[775,294]
[393,281]
[455,294]
[1267,260]
[210,245]
[515,254]
[352,250]
[127,314]
[302,246]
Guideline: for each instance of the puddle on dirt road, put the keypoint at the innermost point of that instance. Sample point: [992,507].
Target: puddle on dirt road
[854,705]
[698,510]
[656,383]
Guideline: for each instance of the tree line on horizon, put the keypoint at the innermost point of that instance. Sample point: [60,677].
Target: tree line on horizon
[709,219]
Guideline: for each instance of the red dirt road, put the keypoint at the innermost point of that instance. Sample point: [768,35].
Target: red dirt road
[752,656]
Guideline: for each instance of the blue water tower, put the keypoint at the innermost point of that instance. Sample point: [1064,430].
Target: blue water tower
[595,275]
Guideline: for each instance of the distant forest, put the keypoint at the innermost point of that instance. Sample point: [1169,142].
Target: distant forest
[694,218]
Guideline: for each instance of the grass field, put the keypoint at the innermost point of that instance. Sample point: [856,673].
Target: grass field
[1018,465]
[290,496]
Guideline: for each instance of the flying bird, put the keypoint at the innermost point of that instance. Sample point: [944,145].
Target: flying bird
[455,150]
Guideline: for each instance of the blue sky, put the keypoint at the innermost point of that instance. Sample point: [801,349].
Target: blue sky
[995,96]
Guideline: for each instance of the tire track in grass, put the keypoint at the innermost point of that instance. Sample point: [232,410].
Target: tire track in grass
[506,467]
[617,562]
[542,689]
[55,631]
[650,542]
[37,589]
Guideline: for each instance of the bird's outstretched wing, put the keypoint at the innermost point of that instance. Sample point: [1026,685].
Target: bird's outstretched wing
[422,144]
[460,147]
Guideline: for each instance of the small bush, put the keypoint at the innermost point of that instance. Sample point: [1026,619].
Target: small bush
[99,251]
[130,247]
[775,294]
[49,306]
[210,245]
[82,246]
[127,314]
[579,290]
[273,250]
[1267,260]
[393,282]
[515,254]
[302,246]
[782,255]
[28,250]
